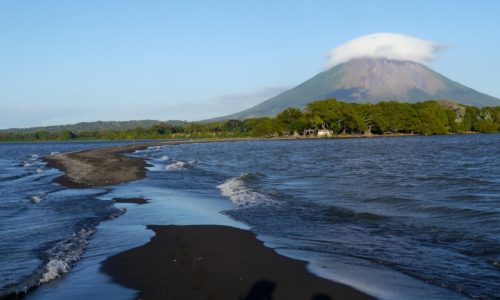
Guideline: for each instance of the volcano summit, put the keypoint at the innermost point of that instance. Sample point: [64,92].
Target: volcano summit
[377,67]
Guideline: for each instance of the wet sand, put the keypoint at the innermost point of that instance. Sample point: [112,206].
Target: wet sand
[131,200]
[98,167]
[217,262]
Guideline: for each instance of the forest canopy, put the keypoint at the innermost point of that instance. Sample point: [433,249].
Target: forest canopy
[339,118]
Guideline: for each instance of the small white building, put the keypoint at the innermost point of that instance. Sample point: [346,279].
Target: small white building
[325,133]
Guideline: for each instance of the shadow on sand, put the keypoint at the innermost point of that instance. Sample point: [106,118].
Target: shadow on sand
[264,289]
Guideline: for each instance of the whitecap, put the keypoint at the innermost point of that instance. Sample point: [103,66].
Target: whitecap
[64,254]
[241,194]
[180,165]
[165,158]
[53,269]
[116,213]
[38,197]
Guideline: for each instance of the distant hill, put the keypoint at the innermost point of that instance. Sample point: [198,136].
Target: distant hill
[98,126]
[369,80]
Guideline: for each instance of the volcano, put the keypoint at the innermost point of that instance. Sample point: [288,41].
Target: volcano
[370,80]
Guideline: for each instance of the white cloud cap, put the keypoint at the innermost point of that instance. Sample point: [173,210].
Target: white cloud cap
[385,45]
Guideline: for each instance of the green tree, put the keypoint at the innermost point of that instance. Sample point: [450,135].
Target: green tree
[67,135]
[291,120]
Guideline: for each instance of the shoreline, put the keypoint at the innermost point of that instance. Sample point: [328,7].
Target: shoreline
[181,140]
[101,167]
[107,166]
[225,245]
[217,262]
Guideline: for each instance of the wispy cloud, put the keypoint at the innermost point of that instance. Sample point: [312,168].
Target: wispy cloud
[34,116]
[219,106]
[385,45]
[236,102]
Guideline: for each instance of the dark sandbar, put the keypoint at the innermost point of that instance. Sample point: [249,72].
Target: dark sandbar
[217,262]
[99,167]
[131,200]
[105,166]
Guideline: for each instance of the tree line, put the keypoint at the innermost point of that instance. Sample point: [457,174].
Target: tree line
[340,118]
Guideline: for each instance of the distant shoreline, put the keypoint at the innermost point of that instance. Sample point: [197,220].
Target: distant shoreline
[217,139]
[106,166]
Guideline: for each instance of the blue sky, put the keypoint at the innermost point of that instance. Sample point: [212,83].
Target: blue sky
[69,61]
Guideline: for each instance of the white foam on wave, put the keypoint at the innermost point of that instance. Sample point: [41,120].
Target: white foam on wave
[164,158]
[64,254]
[241,194]
[31,160]
[38,197]
[155,167]
[148,152]
[154,148]
[180,165]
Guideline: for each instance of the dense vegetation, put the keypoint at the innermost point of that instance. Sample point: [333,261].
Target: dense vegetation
[430,117]
[98,126]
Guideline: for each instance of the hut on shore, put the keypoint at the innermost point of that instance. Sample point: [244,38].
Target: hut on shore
[325,133]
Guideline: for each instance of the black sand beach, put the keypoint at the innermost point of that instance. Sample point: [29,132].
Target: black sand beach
[217,262]
[193,262]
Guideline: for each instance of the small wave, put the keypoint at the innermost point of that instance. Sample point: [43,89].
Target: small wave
[343,214]
[180,165]
[38,197]
[390,200]
[39,170]
[13,177]
[54,152]
[59,258]
[116,213]
[64,254]
[456,212]
[241,194]
[30,161]
[165,158]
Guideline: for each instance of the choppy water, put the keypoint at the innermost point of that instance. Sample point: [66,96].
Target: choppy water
[421,212]
[44,227]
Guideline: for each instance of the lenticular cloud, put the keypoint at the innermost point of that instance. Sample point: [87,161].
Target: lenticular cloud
[385,45]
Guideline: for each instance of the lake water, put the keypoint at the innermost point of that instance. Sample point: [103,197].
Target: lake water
[406,217]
